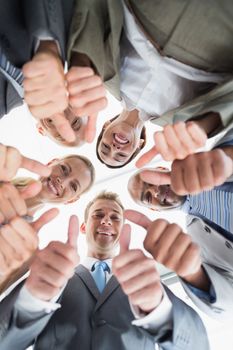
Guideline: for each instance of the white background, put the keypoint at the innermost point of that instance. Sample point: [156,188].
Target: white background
[19,129]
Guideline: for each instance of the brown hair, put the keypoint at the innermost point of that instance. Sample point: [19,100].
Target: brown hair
[142,136]
[103,195]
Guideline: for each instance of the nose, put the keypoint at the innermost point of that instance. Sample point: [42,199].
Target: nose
[106,221]
[116,145]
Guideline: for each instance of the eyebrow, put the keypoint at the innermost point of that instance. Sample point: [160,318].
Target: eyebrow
[100,210]
[143,192]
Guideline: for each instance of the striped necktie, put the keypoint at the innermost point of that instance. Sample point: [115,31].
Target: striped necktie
[13,72]
[98,273]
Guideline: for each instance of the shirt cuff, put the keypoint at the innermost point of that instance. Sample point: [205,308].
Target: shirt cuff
[161,315]
[28,303]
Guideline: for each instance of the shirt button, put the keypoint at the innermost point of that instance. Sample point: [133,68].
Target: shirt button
[228,245]
[207,229]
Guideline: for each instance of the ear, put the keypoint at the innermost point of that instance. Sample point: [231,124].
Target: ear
[72,200]
[53,161]
[83,228]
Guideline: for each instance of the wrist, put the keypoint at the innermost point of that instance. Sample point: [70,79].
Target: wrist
[48,46]
[199,280]
[209,122]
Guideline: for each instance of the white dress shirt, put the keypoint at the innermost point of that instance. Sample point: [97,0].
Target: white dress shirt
[154,84]
[29,307]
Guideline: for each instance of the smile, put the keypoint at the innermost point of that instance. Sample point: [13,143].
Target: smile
[119,138]
[105,233]
[52,186]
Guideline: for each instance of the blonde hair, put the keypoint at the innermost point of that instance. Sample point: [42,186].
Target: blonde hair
[103,195]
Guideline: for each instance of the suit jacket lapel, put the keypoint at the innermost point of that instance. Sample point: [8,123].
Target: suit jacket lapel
[111,286]
[87,279]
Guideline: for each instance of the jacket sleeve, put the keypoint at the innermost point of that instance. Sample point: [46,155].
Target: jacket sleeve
[219,100]
[47,19]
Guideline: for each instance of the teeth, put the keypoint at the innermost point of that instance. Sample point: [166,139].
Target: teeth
[120,139]
[104,233]
[52,187]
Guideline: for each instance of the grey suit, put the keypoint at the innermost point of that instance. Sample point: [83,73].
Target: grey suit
[89,320]
[22,24]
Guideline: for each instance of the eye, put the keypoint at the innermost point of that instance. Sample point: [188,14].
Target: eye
[105,146]
[122,155]
[148,198]
[99,215]
[115,218]
[74,186]
[64,170]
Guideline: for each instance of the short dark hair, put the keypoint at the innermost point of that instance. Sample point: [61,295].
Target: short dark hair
[142,136]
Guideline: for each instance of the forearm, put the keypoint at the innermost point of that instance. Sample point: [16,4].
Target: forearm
[199,280]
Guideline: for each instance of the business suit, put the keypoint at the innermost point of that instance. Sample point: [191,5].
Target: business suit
[217,260]
[22,24]
[90,320]
[166,27]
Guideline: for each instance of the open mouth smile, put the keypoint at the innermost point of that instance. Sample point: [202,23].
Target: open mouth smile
[53,187]
[119,138]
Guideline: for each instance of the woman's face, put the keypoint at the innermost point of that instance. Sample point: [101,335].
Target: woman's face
[119,142]
[78,124]
[68,179]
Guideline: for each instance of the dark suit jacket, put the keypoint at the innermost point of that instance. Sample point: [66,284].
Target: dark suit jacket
[22,24]
[90,320]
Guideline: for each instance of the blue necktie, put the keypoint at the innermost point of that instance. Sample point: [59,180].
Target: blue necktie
[98,272]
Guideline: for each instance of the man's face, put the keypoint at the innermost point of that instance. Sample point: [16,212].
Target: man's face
[46,127]
[103,227]
[118,143]
[68,179]
[160,197]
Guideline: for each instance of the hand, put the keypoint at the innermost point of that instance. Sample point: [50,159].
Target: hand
[54,265]
[168,244]
[87,96]
[45,90]
[19,241]
[194,174]
[11,160]
[137,275]
[12,202]
[176,141]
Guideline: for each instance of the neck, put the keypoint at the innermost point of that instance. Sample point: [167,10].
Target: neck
[131,118]
[100,255]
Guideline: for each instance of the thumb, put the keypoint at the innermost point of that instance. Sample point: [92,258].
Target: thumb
[45,218]
[147,157]
[73,231]
[91,128]
[155,177]
[124,240]
[31,190]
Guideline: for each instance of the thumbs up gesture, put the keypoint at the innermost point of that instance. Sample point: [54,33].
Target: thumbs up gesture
[54,265]
[137,275]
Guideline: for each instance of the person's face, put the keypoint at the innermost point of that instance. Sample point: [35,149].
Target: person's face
[119,142]
[68,179]
[46,127]
[156,197]
[103,227]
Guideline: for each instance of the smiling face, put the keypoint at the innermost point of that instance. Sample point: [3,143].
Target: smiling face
[119,143]
[78,124]
[103,227]
[69,178]
[154,197]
